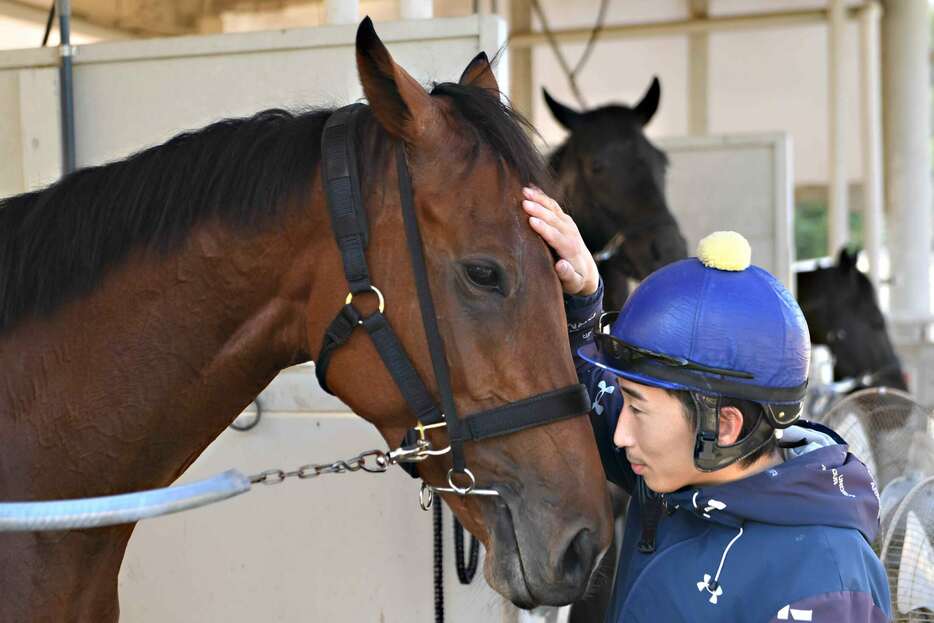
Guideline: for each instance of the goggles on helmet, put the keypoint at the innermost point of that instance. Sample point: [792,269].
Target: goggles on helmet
[619,352]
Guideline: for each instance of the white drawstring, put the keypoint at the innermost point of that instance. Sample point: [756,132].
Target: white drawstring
[713,587]
[716,578]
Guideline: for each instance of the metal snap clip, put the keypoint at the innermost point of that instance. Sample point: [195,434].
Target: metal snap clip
[425,496]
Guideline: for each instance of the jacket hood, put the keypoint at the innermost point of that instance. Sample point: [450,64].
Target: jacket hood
[820,483]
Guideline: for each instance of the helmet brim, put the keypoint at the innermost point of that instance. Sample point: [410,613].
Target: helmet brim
[591,354]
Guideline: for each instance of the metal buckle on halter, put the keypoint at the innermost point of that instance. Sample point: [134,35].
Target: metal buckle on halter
[422,448]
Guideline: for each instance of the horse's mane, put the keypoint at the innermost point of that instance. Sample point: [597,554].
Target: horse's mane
[57,243]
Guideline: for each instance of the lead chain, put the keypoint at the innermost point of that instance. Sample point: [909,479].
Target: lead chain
[372,461]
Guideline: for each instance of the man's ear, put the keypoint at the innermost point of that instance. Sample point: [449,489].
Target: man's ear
[731,423]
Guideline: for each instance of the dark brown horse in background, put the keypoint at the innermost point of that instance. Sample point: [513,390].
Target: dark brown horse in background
[611,180]
[145,303]
[842,311]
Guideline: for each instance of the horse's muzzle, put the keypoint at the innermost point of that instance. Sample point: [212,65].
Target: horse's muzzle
[539,559]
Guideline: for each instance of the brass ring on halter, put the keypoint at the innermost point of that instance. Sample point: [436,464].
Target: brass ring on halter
[462,490]
[379,295]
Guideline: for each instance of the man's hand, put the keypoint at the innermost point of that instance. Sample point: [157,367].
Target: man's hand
[576,269]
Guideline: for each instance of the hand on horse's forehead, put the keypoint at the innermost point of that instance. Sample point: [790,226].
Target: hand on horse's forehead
[576,269]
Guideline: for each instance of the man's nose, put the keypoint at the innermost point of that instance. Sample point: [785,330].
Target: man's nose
[622,438]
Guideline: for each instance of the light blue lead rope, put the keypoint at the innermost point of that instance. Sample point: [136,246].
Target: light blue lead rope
[117,509]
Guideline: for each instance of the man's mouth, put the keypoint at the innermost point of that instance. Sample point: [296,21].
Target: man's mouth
[637,467]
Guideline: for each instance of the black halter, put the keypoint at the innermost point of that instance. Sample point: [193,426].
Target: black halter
[348,220]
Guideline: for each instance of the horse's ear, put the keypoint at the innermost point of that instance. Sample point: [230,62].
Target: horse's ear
[567,117]
[399,102]
[479,73]
[647,106]
[846,261]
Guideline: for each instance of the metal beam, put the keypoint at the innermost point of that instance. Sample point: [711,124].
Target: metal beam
[28,13]
[751,21]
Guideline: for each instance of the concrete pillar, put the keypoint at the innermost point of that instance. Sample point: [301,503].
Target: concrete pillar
[870,94]
[698,74]
[415,9]
[520,59]
[341,11]
[838,212]
[907,130]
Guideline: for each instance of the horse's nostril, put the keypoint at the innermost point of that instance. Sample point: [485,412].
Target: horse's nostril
[579,557]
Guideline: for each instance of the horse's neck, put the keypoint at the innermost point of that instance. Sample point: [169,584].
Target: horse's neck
[124,388]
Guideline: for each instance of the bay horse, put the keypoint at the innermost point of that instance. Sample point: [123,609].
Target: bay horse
[842,311]
[146,302]
[611,180]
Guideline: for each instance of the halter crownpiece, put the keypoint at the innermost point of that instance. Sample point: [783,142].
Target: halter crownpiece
[348,220]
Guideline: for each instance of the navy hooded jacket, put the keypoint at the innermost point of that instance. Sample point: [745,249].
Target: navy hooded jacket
[791,543]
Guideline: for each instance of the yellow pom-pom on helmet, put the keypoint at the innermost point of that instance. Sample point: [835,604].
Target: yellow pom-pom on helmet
[725,250]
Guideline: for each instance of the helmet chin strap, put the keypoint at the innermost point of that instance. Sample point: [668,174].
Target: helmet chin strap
[709,455]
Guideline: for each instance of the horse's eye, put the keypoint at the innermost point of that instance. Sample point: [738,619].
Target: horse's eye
[483,276]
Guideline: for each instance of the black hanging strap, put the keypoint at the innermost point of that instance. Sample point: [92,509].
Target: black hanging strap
[465,569]
[651,509]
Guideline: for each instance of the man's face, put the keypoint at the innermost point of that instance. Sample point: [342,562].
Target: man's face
[657,436]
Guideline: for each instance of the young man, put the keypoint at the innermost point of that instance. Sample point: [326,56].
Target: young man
[740,513]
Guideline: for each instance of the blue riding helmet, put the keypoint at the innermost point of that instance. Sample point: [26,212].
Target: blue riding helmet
[717,327]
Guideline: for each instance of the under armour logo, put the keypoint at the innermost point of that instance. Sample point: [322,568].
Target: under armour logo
[713,505]
[713,588]
[604,390]
[796,615]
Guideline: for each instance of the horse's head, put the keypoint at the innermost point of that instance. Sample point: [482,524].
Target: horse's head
[840,306]
[613,179]
[500,312]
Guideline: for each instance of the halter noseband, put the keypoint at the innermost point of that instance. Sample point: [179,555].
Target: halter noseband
[348,221]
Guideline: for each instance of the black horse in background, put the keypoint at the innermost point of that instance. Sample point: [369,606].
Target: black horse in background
[611,180]
[842,312]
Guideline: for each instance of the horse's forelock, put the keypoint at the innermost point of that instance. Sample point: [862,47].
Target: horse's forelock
[500,128]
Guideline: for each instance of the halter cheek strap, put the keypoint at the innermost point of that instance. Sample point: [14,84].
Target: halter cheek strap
[348,220]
